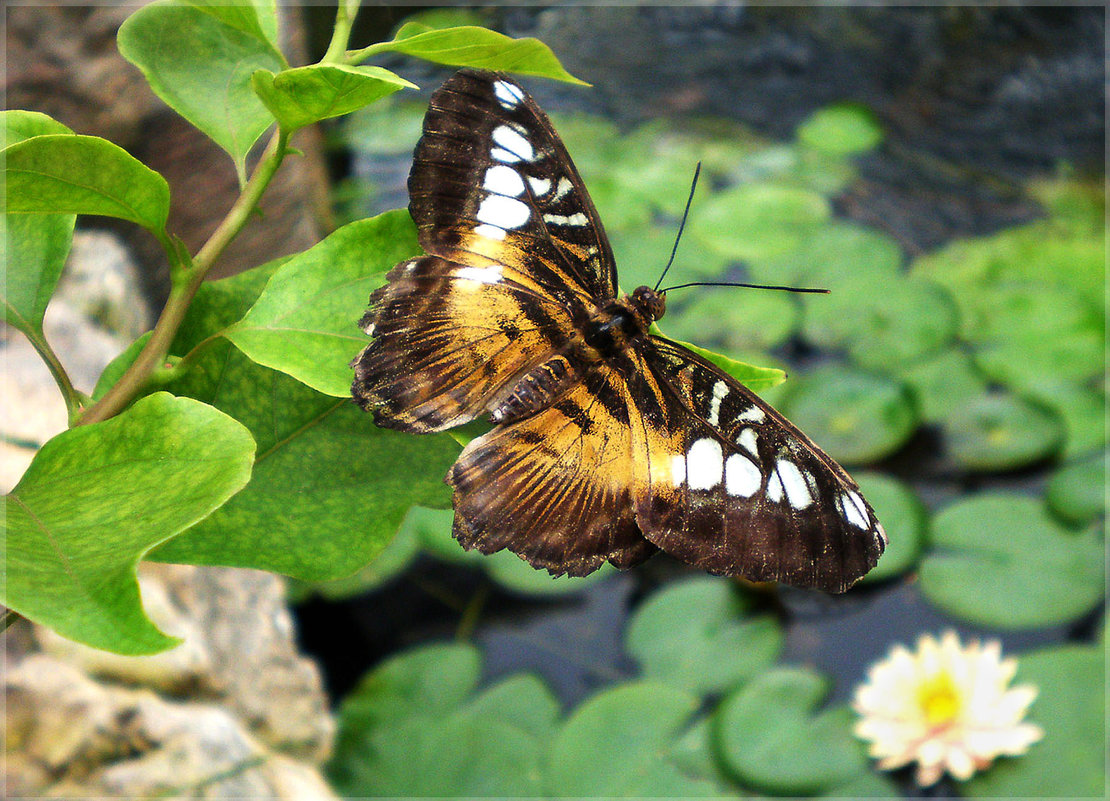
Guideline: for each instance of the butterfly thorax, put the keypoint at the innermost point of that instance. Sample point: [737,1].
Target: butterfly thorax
[613,326]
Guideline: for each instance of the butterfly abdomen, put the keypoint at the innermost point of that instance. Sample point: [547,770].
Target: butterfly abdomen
[537,389]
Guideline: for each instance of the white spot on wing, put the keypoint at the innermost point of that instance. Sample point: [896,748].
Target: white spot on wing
[513,142]
[484,275]
[504,181]
[562,187]
[747,440]
[578,218]
[774,487]
[504,212]
[501,154]
[540,186]
[855,511]
[704,464]
[742,477]
[720,390]
[753,414]
[507,94]
[792,480]
[490,231]
[369,329]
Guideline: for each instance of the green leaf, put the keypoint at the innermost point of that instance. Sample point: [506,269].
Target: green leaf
[771,739]
[1070,762]
[470,46]
[522,700]
[19,125]
[616,744]
[256,18]
[516,575]
[70,174]
[838,256]
[118,366]
[305,322]
[757,379]
[857,417]
[98,497]
[433,532]
[1083,411]
[35,247]
[842,129]
[329,488]
[698,635]
[389,128]
[995,431]
[1076,492]
[304,95]
[999,560]
[754,221]
[903,517]
[199,60]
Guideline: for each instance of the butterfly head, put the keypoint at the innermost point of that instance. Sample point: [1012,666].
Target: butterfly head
[648,303]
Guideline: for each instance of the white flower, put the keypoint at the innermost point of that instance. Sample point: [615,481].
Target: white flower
[945,707]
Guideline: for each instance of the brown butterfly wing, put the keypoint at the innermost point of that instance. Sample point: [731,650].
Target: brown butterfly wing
[556,487]
[731,486]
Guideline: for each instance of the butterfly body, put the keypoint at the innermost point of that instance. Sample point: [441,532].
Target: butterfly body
[609,442]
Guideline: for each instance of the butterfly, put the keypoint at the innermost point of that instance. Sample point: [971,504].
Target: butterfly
[609,442]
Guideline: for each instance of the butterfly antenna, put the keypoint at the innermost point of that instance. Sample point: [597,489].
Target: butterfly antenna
[681,225]
[749,286]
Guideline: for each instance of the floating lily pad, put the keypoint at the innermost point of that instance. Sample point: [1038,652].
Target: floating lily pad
[389,128]
[865,785]
[1077,492]
[757,220]
[996,431]
[408,731]
[694,753]
[884,324]
[616,744]
[771,737]
[1031,358]
[999,560]
[903,517]
[843,129]
[700,635]
[857,417]
[943,382]
[1070,762]
[734,319]
[433,532]
[834,256]
[1083,410]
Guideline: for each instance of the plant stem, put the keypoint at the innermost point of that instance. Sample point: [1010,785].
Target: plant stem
[61,377]
[187,279]
[341,34]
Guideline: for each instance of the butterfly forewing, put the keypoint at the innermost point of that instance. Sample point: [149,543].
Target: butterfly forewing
[492,180]
[609,443]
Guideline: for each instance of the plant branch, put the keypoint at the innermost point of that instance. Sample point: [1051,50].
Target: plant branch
[187,279]
[341,34]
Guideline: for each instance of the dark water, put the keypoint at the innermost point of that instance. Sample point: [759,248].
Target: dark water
[974,101]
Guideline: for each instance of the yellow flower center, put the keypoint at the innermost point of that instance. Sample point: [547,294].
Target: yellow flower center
[939,699]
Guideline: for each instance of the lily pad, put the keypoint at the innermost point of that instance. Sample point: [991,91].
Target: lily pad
[833,256]
[884,324]
[857,417]
[999,560]
[757,220]
[996,431]
[1083,410]
[903,517]
[735,319]
[772,739]
[700,635]
[843,129]
[1070,762]
[616,744]
[1077,492]
[943,383]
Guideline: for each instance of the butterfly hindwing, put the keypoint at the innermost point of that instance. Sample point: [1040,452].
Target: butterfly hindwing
[556,486]
[492,181]
[734,488]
